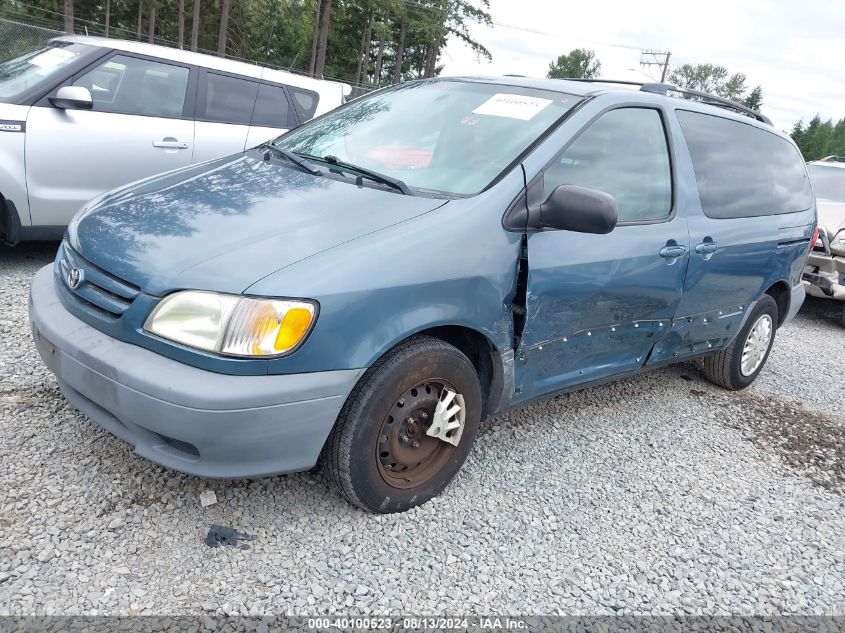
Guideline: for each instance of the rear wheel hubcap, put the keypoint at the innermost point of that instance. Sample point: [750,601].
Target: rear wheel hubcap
[756,345]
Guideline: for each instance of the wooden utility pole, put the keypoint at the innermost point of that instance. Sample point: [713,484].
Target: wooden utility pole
[108,16]
[657,58]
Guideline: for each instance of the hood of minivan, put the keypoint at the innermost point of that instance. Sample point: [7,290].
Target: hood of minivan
[226,224]
[831,216]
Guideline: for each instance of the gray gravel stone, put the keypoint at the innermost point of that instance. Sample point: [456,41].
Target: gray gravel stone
[657,494]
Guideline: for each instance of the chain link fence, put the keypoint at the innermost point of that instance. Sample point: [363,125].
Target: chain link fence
[17,38]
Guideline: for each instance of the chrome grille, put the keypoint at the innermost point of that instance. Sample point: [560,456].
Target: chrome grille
[93,286]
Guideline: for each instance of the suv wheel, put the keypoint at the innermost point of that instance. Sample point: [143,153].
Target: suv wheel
[406,428]
[736,366]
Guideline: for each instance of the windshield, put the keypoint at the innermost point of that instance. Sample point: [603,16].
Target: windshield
[828,182]
[446,137]
[23,73]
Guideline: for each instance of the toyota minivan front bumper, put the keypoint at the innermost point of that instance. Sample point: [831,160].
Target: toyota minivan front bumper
[195,421]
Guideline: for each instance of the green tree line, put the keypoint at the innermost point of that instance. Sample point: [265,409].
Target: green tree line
[369,43]
[818,138]
[582,63]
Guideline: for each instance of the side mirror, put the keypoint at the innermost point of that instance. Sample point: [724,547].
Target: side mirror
[572,208]
[73,98]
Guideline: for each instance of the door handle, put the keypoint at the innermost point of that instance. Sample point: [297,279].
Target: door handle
[672,252]
[706,248]
[170,143]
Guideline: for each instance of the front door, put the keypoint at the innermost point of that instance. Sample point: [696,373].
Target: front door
[138,127]
[598,304]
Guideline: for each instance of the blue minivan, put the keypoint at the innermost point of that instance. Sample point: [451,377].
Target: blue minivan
[365,290]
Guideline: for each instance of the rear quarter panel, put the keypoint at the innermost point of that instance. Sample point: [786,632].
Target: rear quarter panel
[754,252]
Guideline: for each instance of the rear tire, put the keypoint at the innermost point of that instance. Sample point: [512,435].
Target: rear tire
[842,320]
[382,455]
[739,364]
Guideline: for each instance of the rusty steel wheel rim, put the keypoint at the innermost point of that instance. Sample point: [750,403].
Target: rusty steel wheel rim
[420,434]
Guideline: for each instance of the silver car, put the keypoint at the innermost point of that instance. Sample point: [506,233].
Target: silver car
[84,115]
[824,275]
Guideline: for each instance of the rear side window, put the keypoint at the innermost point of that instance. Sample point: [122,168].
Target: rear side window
[623,153]
[744,171]
[229,99]
[272,108]
[305,102]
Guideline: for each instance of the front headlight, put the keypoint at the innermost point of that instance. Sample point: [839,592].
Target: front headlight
[837,244]
[232,325]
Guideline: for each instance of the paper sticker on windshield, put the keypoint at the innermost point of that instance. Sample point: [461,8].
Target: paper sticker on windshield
[513,106]
[52,57]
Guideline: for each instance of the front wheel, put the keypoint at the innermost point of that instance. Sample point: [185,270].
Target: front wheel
[736,366]
[406,428]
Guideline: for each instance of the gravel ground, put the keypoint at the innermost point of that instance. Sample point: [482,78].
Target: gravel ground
[657,494]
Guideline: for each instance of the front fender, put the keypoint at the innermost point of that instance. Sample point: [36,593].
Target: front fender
[454,266]
[12,166]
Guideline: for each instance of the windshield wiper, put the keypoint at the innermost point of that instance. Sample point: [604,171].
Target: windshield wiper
[375,176]
[296,160]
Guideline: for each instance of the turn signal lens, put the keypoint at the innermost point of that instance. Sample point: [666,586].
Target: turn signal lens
[293,328]
[246,327]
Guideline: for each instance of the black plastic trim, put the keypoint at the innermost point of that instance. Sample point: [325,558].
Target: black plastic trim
[705,97]
[12,232]
[10,223]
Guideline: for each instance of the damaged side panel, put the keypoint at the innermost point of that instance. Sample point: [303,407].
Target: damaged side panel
[521,295]
[595,305]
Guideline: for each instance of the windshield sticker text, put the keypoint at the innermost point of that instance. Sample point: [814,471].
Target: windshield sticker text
[513,106]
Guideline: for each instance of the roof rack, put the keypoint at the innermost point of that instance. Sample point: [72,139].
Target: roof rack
[704,97]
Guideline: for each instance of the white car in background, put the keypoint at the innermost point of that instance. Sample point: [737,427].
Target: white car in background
[83,115]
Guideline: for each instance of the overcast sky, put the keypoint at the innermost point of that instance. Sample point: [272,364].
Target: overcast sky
[794,49]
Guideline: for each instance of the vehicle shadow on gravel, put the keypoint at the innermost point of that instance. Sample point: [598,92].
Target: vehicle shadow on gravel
[815,309]
[28,251]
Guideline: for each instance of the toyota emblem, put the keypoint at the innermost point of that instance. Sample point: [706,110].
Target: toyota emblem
[74,278]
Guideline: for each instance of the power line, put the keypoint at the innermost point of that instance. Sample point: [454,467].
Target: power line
[526,29]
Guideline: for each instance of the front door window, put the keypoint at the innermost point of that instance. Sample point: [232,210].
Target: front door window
[130,85]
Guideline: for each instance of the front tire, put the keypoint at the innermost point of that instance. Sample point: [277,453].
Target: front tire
[739,364]
[406,428]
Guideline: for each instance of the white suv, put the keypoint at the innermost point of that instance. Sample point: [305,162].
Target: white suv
[83,115]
